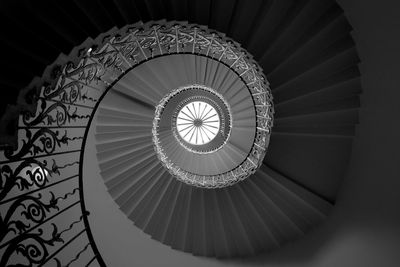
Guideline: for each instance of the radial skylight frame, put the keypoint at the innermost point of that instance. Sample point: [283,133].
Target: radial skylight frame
[198,123]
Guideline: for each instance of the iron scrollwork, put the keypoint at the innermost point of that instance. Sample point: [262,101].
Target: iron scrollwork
[32,246]
[29,172]
[94,70]
[45,140]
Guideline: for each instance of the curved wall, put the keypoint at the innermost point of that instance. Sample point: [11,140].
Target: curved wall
[364,229]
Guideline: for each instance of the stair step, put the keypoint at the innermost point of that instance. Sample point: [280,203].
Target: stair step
[306,26]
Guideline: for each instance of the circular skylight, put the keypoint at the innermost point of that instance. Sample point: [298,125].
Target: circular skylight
[198,123]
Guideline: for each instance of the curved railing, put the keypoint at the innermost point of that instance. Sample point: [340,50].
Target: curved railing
[43,214]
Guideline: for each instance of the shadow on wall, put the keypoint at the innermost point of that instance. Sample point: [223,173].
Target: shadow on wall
[345,240]
[364,227]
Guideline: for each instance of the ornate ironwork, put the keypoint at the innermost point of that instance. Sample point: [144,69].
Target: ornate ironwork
[54,132]
[178,101]
[215,45]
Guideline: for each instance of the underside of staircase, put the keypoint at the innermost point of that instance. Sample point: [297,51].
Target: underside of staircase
[308,56]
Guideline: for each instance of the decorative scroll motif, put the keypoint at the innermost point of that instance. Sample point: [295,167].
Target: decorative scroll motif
[66,101]
[32,209]
[56,114]
[44,141]
[21,219]
[64,92]
[29,173]
[193,39]
[32,246]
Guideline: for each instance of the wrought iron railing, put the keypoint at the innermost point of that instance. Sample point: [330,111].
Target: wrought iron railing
[43,219]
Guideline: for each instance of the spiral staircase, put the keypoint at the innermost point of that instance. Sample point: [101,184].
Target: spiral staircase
[115,83]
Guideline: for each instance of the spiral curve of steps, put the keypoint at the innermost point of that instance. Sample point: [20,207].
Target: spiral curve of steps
[186,218]
[307,53]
